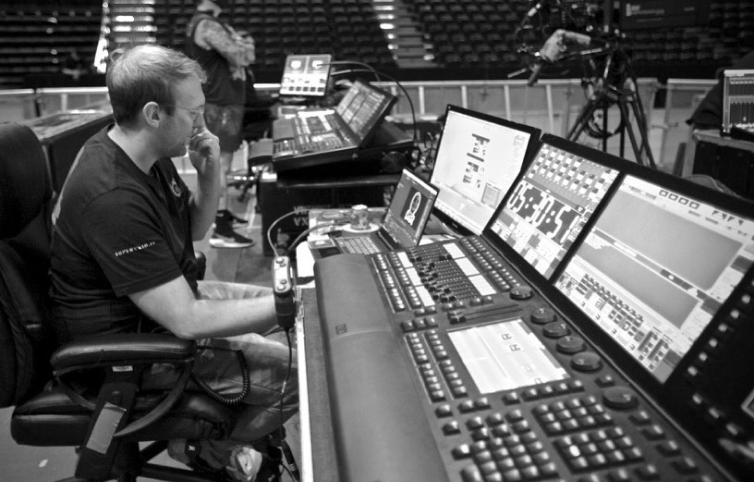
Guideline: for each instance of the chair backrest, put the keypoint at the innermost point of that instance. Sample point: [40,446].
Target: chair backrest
[26,195]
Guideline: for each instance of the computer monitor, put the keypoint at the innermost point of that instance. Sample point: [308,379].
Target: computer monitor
[478,158]
[655,268]
[305,75]
[550,204]
[738,109]
[363,107]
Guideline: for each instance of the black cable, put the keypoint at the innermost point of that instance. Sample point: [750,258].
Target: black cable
[218,397]
[275,222]
[282,393]
[353,62]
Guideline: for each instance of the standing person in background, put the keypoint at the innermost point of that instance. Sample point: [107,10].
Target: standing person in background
[225,55]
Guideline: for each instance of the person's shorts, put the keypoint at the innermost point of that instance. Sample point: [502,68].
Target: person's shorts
[226,122]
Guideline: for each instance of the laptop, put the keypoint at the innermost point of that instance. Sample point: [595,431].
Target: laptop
[324,135]
[306,75]
[401,228]
[738,110]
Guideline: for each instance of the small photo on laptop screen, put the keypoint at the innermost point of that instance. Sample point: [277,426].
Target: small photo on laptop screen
[409,209]
[306,75]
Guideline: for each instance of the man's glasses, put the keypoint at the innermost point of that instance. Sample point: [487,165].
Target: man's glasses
[195,112]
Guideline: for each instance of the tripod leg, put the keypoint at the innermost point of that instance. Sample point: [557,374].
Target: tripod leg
[641,122]
[638,152]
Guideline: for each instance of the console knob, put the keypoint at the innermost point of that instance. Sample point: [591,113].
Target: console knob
[542,316]
[521,293]
[571,344]
[586,362]
[620,398]
[556,329]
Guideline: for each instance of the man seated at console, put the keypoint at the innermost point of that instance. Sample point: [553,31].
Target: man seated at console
[123,258]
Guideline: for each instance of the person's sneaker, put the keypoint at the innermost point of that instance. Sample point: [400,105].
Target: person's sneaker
[245,464]
[229,239]
[224,216]
[225,237]
[241,463]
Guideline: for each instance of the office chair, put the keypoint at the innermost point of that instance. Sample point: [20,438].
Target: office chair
[107,420]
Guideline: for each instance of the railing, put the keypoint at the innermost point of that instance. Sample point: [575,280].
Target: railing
[550,105]
[16,105]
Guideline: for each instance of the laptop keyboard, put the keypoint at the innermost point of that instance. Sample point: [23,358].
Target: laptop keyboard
[358,244]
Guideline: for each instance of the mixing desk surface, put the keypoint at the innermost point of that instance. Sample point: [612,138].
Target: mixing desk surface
[609,355]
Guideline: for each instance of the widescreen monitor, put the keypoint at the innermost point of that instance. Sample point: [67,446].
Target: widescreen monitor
[478,158]
[655,268]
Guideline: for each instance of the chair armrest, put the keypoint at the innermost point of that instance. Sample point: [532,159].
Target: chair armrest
[109,350]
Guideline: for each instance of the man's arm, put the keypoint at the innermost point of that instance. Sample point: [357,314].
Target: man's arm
[210,34]
[174,307]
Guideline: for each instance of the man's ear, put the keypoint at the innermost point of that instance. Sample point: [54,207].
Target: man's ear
[152,113]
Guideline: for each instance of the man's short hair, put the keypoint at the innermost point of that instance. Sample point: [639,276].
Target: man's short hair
[146,73]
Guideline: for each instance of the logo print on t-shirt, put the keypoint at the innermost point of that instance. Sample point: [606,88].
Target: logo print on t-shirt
[175,187]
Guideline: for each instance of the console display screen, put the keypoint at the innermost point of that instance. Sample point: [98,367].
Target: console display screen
[550,205]
[505,356]
[655,269]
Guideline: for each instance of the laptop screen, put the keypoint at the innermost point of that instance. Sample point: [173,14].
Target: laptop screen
[306,75]
[477,160]
[409,210]
[363,106]
[738,110]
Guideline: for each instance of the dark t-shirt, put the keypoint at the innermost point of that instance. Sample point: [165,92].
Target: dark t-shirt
[117,231]
[222,87]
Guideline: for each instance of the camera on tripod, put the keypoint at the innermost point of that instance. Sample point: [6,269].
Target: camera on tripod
[571,32]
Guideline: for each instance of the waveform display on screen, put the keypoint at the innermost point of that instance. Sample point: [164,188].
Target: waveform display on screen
[655,268]
[550,205]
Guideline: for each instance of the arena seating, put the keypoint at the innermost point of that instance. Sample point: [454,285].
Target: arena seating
[37,37]
[462,35]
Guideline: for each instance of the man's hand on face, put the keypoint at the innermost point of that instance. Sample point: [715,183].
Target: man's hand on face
[204,149]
